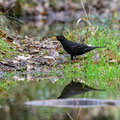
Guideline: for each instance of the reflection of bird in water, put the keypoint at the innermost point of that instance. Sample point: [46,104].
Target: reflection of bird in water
[75,88]
[73,48]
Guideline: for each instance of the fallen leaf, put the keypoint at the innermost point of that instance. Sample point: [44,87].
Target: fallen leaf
[9,39]
[58,48]
[44,12]
[2,34]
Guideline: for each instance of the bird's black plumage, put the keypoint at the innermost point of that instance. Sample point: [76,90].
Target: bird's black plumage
[74,48]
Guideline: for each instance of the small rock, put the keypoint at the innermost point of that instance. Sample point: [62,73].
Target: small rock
[18,78]
[2,74]
[55,54]
[23,57]
[15,61]
[49,57]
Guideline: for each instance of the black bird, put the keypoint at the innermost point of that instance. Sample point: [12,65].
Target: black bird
[73,48]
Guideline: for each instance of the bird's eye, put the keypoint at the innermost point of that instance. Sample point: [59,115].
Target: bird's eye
[58,37]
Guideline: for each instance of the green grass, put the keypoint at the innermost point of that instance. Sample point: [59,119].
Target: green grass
[6,84]
[7,50]
[103,73]
[106,72]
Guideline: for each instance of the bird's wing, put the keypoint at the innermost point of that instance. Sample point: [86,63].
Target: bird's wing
[78,46]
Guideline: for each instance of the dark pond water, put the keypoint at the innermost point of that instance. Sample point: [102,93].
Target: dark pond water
[69,101]
[46,27]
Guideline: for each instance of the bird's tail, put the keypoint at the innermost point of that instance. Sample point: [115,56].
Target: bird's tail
[91,48]
[99,47]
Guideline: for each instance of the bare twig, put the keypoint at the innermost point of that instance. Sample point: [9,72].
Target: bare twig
[84,9]
[82,19]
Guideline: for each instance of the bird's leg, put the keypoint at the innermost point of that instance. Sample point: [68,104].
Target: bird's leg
[75,57]
[71,57]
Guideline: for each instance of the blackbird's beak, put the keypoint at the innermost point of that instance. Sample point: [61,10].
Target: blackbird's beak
[54,38]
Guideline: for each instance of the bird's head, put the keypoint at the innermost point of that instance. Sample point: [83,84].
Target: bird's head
[59,38]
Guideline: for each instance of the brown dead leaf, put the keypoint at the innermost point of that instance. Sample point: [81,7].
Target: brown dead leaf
[3,52]
[78,66]
[97,62]
[44,12]
[58,48]
[9,39]
[2,34]
[17,47]
[44,21]
[112,57]
[111,83]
